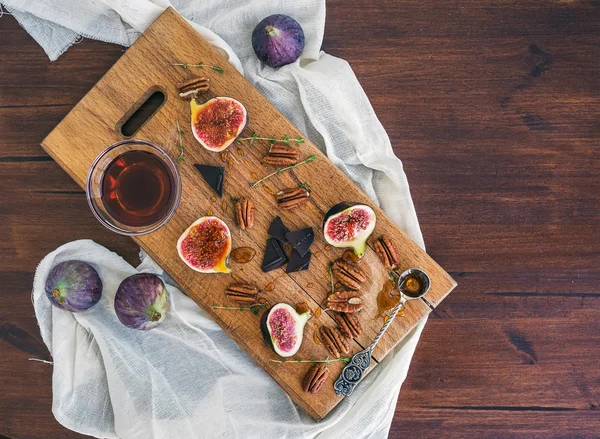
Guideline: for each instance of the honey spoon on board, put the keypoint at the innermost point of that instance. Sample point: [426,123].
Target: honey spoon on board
[412,284]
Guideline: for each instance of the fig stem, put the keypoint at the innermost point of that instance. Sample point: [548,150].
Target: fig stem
[326,360]
[199,65]
[280,170]
[180,144]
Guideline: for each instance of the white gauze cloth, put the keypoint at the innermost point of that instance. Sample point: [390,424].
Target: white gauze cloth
[186,378]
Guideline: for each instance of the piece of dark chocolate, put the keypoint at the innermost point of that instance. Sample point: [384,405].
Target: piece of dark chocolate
[274,255]
[214,176]
[278,230]
[301,240]
[297,262]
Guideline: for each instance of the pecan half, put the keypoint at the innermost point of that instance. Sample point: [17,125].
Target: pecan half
[349,274]
[282,155]
[244,213]
[289,198]
[189,89]
[387,251]
[336,343]
[349,325]
[242,294]
[315,378]
[345,301]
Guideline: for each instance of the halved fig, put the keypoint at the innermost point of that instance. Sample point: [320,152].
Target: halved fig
[349,225]
[205,245]
[283,328]
[218,122]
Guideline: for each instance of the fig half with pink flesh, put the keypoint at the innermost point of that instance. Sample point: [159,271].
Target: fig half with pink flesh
[283,328]
[205,245]
[349,225]
[218,122]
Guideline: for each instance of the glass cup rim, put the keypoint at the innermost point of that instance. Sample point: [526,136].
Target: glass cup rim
[176,178]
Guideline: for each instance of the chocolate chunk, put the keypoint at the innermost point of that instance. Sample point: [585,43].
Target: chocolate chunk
[298,263]
[301,240]
[214,176]
[278,230]
[274,256]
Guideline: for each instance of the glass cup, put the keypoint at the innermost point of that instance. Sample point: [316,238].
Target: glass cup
[96,186]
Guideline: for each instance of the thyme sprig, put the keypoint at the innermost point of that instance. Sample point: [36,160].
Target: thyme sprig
[280,170]
[254,308]
[199,65]
[304,185]
[326,360]
[255,136]
[180,144]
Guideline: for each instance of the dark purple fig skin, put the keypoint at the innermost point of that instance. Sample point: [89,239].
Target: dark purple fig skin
[278,40]
[142,301]
[263,328]
[73,286]
[337,209]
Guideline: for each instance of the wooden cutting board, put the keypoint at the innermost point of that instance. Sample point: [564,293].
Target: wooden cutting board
[95,123]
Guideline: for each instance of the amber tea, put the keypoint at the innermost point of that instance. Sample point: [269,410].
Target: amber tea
[137,189]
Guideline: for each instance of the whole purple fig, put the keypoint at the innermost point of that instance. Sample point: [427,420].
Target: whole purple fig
[73,286]
[142,301]
[278,40]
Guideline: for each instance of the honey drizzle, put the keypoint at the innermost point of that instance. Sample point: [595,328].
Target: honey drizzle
[350,256]
[242,255]
[271,285]
[316,338]
[386,300]
[317,312]
[235,277]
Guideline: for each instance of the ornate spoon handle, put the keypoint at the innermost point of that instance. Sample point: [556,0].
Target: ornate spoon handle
[389,321]
[353,372]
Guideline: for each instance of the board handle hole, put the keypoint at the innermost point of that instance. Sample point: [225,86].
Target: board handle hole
[141,112]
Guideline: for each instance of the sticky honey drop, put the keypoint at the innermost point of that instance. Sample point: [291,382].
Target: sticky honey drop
[235,277]
[387,297]
[316,338]
[242,255]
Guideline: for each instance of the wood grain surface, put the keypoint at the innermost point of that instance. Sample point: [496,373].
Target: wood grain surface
[94,124]
[493,108]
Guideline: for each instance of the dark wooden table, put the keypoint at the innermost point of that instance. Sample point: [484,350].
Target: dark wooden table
[494,108]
